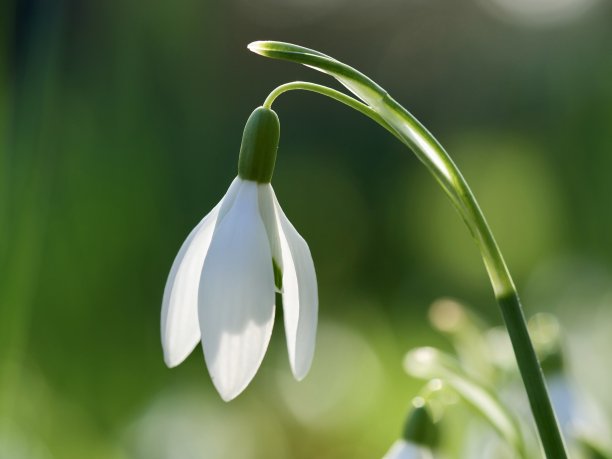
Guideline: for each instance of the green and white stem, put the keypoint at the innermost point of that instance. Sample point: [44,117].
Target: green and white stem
[379,106]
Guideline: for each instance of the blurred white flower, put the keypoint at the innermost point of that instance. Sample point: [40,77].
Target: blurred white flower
[185,423]
[403,449]
[221,289]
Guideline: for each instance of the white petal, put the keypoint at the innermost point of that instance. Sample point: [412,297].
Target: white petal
[300,297]
[236,296]
[267,210]
[230,197]
[402,449]
[180,330]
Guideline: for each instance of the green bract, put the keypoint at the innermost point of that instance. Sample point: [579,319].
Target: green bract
[354,80]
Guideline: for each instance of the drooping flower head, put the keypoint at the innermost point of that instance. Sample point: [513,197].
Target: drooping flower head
[221,287]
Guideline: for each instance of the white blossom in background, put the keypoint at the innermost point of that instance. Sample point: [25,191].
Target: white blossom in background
[186,423]
[221,289]
[403,449]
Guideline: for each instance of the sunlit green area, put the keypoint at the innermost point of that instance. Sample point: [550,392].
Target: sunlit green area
[120,124]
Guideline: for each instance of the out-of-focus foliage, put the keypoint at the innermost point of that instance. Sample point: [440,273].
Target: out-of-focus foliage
[499,424]
[120,125]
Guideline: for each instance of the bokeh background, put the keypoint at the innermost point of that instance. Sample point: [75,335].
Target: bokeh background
[121,122]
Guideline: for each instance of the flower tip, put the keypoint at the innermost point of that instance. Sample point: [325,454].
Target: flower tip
[175,353]
[170,360]
[228,394]
[227,397]
[300,371]
[300,376]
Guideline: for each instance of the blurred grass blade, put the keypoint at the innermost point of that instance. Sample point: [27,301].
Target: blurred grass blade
[28,161]
[429,363]
[592,450]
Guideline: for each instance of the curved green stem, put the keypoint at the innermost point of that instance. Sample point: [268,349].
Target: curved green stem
[333,94]
[415,136]
[503,285]
[397,120]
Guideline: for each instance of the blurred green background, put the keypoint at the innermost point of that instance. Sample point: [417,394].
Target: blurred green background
[121,123]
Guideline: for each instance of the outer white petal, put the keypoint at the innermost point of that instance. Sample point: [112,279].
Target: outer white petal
[402,449]
[236,296]
[180,330]
[300,297]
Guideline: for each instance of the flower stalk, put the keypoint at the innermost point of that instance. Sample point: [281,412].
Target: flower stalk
[379,106]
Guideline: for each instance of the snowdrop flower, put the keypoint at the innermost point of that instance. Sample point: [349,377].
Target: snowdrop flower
[221,287]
